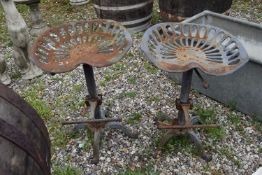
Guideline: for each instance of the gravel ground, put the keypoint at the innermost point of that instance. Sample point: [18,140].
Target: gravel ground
[137,92]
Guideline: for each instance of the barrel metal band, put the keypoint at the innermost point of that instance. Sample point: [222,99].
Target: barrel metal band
[15,136]
[137,20]
[12,98]
[139,28]
[129,7]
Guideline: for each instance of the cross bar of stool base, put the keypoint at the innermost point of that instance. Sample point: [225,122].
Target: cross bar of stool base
[184,125]
[99,122]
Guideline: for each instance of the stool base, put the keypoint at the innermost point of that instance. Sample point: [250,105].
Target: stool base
[97,126]
[186,131]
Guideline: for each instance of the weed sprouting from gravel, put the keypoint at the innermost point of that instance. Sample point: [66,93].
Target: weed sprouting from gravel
[135,118]
[34,96]
[66,170]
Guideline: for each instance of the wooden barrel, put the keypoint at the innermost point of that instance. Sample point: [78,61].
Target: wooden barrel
[178,10]
[24,140]
[135,15]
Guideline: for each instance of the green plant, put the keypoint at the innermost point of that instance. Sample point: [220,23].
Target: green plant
[66,170]
[163,117]
[16,75]
[135,118]
[232,105]
[230,155]
[207,169]
[77,87]
[130,94]
[206,115]
[8,55]
[216,133]
[257,124]
[155,16]
[34,97]
[260,150]
[56,78]
[130,54]
[151,69]
[118,66]
[148,170]
[60,138]
[154,99]
[89,140]
[181,142]
[236,122]
[131,80]
[234,119]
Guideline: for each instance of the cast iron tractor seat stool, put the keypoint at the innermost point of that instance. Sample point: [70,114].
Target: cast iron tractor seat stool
[175,47]
[94,43]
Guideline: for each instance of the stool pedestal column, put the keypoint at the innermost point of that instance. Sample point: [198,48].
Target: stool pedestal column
[99,120]
[184,125]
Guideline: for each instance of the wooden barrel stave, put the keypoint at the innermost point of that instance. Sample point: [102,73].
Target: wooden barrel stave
[135,15]
[27,147]
[20,162]
[17,118]
[178,10]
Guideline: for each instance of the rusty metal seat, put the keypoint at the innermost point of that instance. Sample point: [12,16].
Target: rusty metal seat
[182,47]
[98,43]
[94,43]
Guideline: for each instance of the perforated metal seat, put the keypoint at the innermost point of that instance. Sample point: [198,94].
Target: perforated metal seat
[178,47]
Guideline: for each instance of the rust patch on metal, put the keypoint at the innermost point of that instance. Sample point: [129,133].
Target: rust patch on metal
[95,123]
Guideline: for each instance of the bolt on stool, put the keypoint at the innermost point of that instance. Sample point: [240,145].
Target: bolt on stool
[182,47]
[94,43]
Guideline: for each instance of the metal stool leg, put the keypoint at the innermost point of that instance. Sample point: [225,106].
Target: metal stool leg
[93,97]
[184,124]
[166,137]
[126,130]
[96,145]
[99,121]
[199,146]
